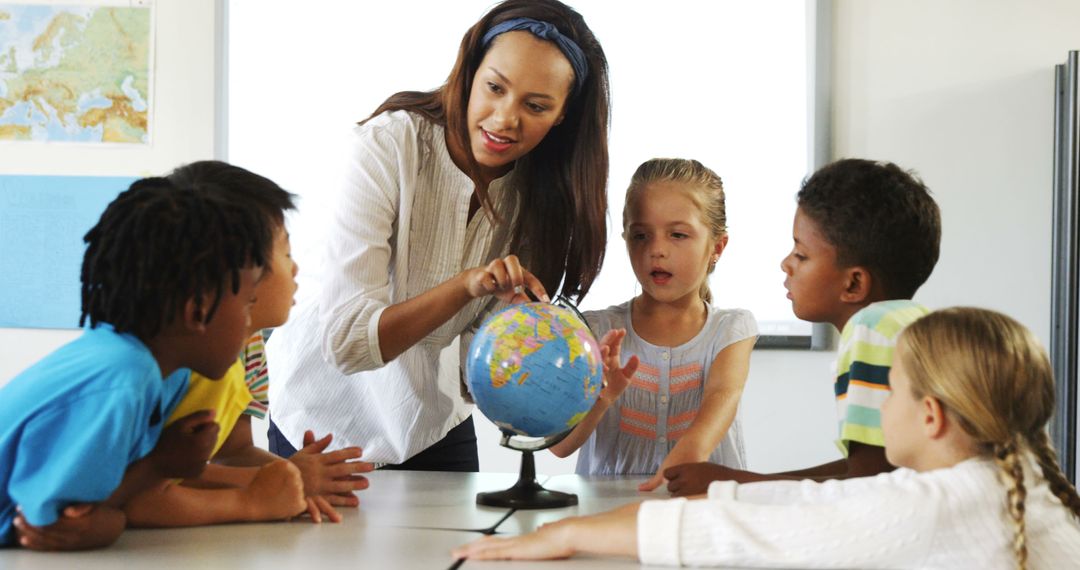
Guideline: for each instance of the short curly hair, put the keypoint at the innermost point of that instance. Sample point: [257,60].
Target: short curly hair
[878,216]
[250,188]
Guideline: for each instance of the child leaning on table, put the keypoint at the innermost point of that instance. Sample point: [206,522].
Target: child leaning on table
[329,478]
[168,281]
[245,483]
[978,484]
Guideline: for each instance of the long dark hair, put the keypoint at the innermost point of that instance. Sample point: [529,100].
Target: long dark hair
[561,229]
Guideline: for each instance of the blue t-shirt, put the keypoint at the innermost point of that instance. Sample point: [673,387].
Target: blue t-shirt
[72,423]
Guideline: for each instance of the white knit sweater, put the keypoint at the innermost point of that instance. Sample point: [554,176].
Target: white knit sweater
[947,518]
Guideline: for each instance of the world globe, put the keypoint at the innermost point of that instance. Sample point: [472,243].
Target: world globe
[534,369]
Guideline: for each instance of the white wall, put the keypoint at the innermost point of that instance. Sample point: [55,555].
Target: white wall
[183,131]
[962,91]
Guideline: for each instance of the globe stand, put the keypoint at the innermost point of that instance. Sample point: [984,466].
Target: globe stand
[527,493]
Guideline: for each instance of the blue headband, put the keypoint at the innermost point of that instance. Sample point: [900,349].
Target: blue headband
[547,31]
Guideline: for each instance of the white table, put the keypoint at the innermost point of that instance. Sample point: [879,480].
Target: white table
[406,520]
[595,495]
[432,499]
[300,545]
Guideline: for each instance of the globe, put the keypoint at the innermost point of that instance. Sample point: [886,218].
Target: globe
[534,369]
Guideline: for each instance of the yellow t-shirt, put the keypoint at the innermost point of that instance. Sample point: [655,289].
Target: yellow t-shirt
[228,398]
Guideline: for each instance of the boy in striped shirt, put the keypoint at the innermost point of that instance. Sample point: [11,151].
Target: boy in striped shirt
[867,236]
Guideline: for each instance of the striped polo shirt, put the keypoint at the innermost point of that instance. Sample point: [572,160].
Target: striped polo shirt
[256,376]
[862,368]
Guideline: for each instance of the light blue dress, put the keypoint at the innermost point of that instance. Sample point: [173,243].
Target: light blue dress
[664,396]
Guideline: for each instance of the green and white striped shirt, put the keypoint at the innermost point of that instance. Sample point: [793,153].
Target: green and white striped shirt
[862,368]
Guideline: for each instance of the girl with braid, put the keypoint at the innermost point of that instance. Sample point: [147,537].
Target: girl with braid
[168,282]
[978,485]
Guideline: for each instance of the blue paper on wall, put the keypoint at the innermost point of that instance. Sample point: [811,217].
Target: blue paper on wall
[42,222]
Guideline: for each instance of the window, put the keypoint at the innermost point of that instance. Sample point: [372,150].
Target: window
[723,82]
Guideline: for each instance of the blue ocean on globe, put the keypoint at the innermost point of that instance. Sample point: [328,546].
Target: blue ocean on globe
[534,369]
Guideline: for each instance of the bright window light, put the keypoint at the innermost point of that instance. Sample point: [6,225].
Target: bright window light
[723,82]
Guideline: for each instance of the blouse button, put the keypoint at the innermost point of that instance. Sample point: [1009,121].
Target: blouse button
[663,399]
[665,355]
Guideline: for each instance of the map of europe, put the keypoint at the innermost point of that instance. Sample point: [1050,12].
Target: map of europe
[74,73]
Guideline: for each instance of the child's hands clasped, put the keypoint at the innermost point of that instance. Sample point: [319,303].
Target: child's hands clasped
[506,279]
[185,446]
[329,479]
[276,492]
[80,527]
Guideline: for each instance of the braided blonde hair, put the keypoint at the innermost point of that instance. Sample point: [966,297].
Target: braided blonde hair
[994,378]
[705,188]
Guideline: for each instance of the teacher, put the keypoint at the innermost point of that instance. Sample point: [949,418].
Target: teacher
[454,200]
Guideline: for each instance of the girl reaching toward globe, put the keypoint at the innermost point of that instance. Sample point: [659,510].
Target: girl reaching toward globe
[453,200]
[681,405]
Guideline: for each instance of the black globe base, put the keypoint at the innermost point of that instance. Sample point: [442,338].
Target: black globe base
[527,493]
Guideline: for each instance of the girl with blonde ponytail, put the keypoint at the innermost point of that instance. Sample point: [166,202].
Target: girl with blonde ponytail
[682,404]
[978,484]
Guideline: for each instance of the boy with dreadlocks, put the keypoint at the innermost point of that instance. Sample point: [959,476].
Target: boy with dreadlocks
[244,483]
[81,430]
